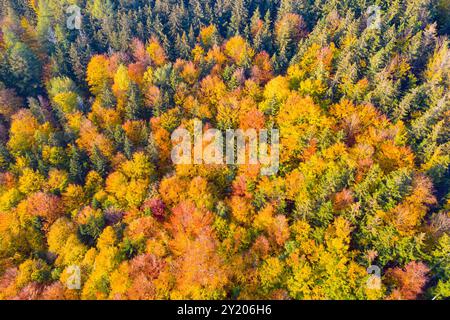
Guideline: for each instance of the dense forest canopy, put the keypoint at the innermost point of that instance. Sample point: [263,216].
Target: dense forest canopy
[93,207]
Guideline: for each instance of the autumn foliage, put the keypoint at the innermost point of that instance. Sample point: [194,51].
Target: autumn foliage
[87,182]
